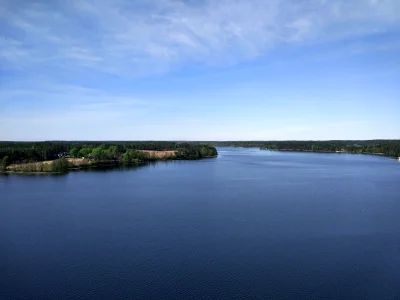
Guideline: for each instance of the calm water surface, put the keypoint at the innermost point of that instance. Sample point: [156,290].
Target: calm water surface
[249,224]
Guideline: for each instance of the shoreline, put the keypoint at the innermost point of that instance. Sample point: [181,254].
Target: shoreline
[99,165]
[331,152]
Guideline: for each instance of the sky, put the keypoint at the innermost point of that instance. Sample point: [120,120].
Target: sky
[199,70]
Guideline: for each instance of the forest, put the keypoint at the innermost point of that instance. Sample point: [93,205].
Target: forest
[117,152]
[121,152]
[381,147]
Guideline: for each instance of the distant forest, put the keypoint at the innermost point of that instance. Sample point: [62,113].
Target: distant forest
[382,147]
[124,152]
[127,152]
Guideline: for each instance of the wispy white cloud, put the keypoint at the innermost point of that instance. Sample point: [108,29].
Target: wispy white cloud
[67,112]
[49,43]
[60,104]
[147,37]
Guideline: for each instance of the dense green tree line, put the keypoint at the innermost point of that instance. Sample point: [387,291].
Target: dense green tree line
[384,147]
[135,156]
[122,151]
[193,151]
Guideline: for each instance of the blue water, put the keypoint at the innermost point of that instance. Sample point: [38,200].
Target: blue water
[249,224]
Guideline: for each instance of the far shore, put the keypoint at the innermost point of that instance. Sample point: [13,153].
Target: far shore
[338,152]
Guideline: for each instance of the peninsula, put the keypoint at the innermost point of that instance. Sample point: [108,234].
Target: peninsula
[60,156]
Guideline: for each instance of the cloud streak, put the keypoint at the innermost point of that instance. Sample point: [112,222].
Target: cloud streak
[136,38]
[175,69]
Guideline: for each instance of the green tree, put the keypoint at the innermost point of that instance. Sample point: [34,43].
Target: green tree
[108,154]
[5,162]
[113,150]
[207,151]
[60,165]
[98,153]
[135,156]
[84,152]
[74,152]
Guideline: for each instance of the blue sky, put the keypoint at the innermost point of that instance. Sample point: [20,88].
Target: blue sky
[199,70]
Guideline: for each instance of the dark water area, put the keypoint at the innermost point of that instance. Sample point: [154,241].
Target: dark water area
[249,224]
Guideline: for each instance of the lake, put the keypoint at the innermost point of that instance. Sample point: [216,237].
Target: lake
[250,224]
